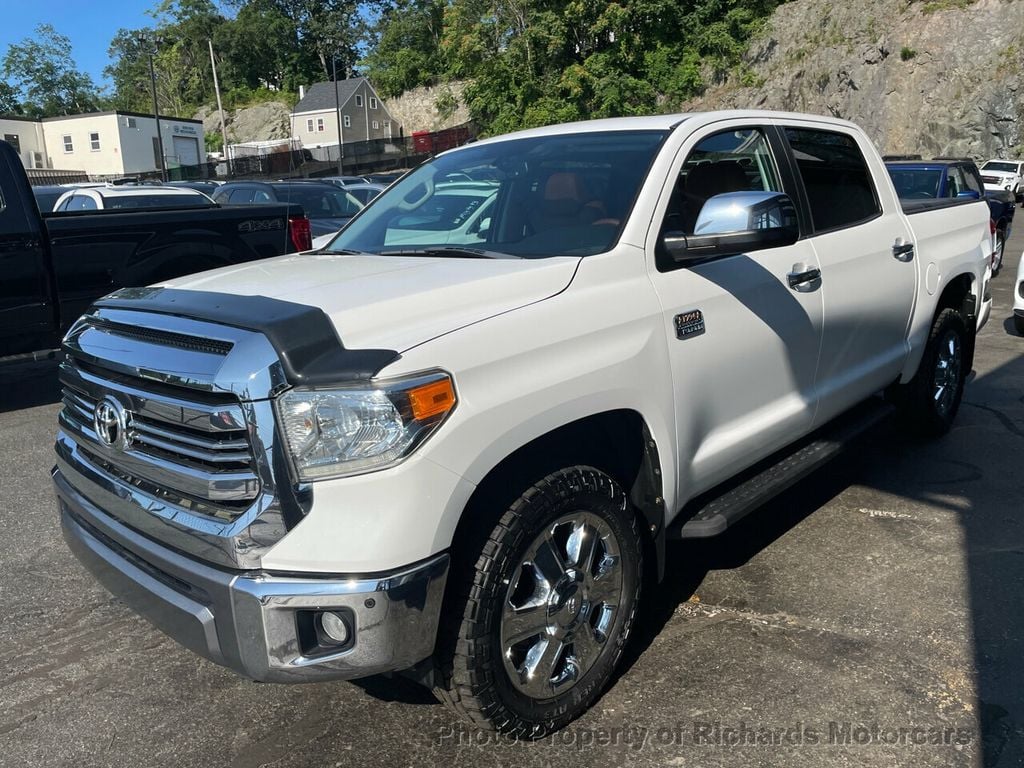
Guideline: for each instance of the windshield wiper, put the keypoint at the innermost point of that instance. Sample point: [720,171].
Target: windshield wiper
[456,251]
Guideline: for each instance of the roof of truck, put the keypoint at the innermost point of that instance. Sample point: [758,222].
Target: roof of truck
[664,123]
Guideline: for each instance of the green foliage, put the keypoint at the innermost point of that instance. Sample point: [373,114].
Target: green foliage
[906,54]
[533,62]
[42,79]
[214,141]
[407,52]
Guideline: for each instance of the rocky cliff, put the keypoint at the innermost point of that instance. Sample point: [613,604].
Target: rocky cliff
[936,78]
[261,122]
[430,109]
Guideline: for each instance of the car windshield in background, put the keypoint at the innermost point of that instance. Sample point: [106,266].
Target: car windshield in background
[157,201]
[545,196]
[1003,167]
[47,199]
[319,202]
[916,183]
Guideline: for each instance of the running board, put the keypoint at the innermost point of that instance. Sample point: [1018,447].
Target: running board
[711,513]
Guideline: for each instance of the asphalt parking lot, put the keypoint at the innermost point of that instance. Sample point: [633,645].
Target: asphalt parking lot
[870,608]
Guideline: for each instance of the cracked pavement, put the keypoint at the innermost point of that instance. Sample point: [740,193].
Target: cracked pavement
[871,606]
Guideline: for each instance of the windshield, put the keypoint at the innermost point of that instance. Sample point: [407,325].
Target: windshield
[320,202]
[544,196]
[993,165]
[916,183]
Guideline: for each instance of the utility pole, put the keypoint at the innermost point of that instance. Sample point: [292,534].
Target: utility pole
[156,108]
[220,108]
[337,109]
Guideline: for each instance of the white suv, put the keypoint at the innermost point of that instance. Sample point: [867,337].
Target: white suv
[1004,176]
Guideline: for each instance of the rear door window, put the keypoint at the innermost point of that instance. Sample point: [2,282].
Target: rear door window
[839,186]
[81,203]
[243,195]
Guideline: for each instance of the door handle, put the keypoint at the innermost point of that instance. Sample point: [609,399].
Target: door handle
[802,276]
[902,251]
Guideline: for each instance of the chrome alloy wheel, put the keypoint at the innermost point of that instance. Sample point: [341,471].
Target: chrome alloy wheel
[560,605]
[947,372]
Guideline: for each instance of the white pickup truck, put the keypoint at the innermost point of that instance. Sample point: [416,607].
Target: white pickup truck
[455,441]
[1004,176]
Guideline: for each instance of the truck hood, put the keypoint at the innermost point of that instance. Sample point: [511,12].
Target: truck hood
[1007,175]
[393,302]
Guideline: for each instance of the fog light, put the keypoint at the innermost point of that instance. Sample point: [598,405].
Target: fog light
[335,627]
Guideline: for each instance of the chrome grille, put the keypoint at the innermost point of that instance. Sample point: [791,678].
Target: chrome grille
[198,453]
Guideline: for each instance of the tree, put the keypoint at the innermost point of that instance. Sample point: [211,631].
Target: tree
[407,52]
[43,74]
[9,104]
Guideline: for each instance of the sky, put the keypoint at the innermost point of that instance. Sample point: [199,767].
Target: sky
[90,24]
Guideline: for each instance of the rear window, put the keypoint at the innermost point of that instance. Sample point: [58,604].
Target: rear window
[156,201]
[838,183]
[916,183]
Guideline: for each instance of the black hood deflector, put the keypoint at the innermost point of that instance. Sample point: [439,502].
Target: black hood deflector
[305,339]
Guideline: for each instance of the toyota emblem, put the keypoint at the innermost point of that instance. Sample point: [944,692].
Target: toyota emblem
[110,423]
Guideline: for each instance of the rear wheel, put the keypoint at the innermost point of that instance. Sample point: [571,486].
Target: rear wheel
[930,401]
[533,634]
[997,254]
[1018,323]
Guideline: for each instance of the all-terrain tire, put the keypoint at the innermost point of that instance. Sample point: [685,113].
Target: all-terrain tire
[930,401]
[472,675]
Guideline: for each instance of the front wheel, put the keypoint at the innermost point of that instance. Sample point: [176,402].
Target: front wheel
[537,628]
[930,401]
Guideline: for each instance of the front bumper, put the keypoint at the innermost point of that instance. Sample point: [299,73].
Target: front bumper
[259,624]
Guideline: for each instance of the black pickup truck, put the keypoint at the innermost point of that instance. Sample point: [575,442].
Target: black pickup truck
[54,266]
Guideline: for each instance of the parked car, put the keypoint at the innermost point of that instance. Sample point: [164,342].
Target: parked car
[54,266]
[953,180]
[47,195]
[130,197]
[206,187]
[385,178]
[1004,176]
[328,207]
[463,459]
[365,192]
[343,181]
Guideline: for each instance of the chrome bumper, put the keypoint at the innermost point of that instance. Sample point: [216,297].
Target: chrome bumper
[259,624]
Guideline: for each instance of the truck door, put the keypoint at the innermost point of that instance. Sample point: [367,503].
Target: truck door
[743,342]
[26,314]
[868,265]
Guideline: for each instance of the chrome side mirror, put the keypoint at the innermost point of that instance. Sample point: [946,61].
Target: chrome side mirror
[736,222]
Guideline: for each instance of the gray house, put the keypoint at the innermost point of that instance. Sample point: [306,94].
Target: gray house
[363,114]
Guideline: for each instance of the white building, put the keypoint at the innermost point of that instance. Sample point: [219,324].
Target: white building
[105,143]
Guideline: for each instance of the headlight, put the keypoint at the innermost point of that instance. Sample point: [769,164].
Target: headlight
[345,431]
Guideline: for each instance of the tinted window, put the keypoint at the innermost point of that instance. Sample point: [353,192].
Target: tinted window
[80,203]
[319,202]
[243,195]
[46,200]
[730,161]
[916,183]
[973,179]
[838,183]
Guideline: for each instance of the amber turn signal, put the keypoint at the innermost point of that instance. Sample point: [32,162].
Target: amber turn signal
[432,399]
